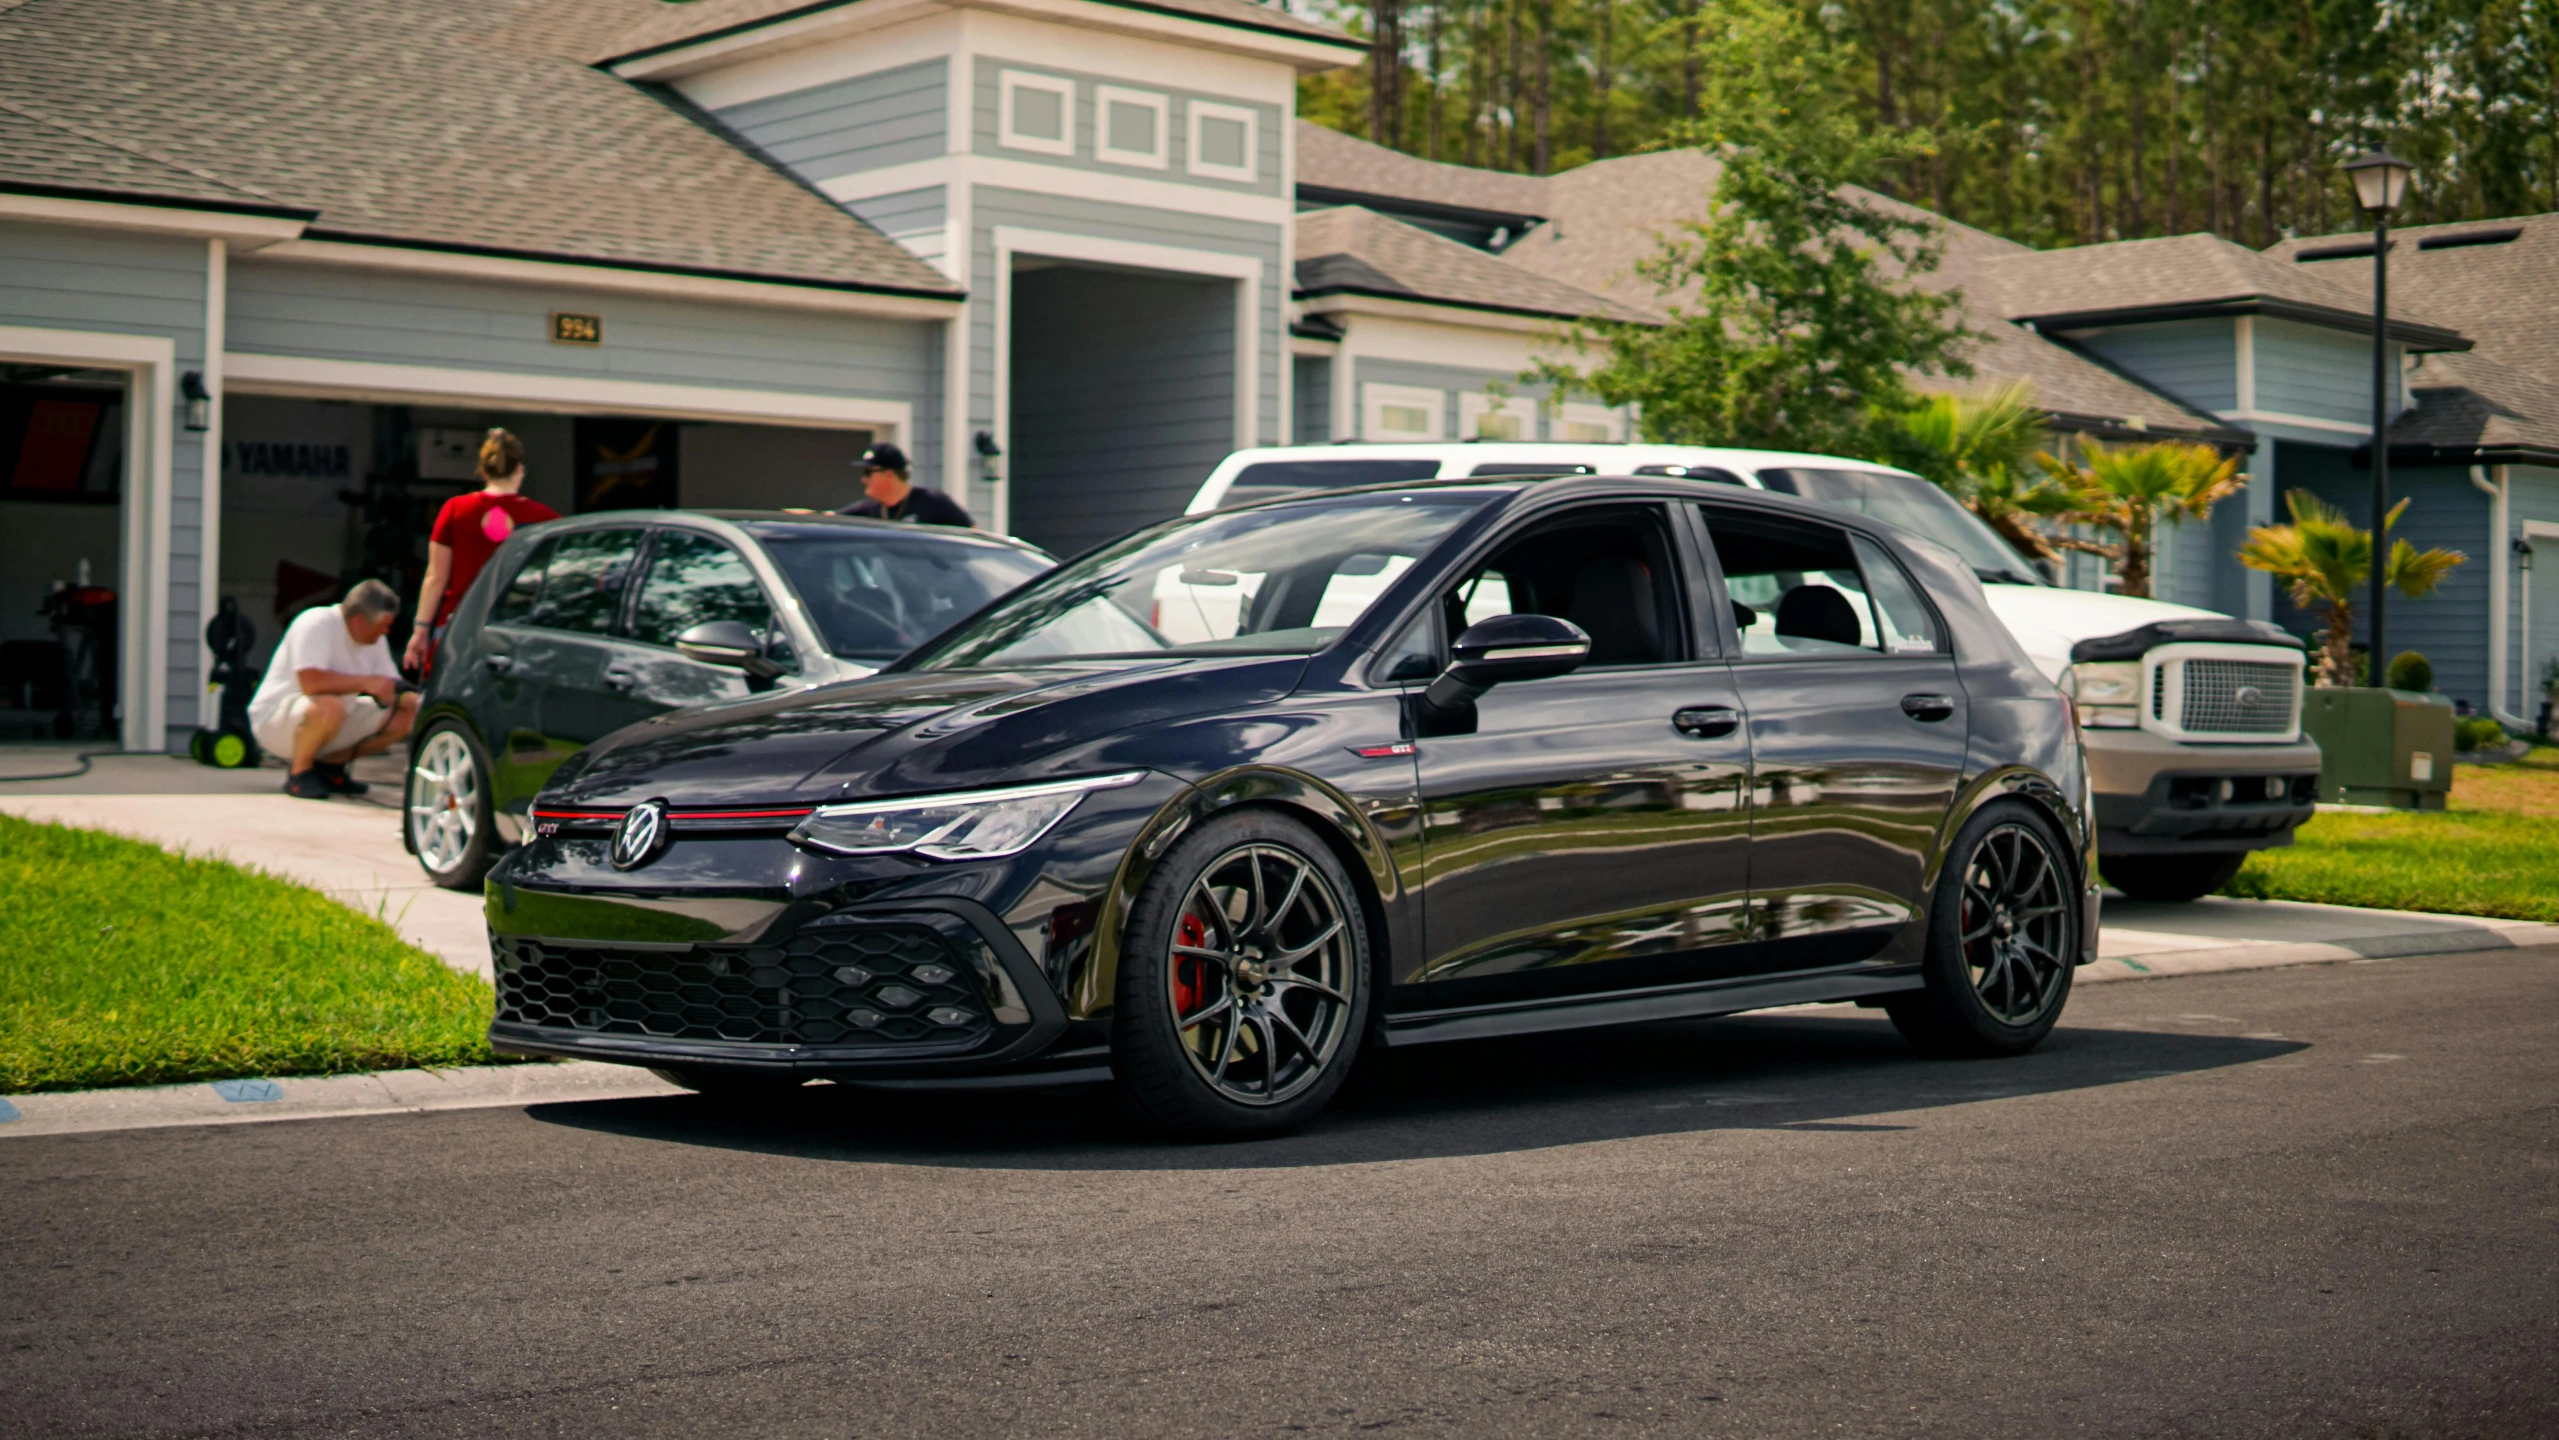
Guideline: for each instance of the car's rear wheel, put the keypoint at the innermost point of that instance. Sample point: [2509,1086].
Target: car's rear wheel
[1243,981]
[2175,878]
[451,816]
[2003,939]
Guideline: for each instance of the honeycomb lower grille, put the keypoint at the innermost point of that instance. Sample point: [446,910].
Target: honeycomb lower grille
[2239,697]
[890,985]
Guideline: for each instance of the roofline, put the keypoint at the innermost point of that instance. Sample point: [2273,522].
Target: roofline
[1410,297]
[1333,195]
[2116,427]
[2522,453]
[2418,334]
[1354,49]
[265,209]
[950,295]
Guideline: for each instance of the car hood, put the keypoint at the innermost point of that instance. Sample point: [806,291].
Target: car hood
[910,733]
[2047,620]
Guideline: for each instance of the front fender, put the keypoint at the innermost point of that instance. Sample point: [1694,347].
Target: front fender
[1333,815]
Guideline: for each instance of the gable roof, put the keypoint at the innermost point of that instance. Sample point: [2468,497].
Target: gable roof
[1353,251]
[458,125]
[2474,286]
[663,26]
[1611,214]
[1338,167]
[2128,282]
[40,156]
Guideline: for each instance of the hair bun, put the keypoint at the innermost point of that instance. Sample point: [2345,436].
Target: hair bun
[501,454]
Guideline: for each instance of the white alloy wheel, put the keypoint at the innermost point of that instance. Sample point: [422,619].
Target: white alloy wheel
[444,802]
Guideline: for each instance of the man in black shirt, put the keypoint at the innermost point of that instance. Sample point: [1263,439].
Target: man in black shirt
[892,497]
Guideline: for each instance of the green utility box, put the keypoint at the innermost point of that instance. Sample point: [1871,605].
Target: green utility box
[2381,747]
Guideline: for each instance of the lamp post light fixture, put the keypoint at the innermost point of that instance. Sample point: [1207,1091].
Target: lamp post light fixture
[2381,182]
[199,400]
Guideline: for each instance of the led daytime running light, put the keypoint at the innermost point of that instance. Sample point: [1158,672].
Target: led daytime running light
[967,825]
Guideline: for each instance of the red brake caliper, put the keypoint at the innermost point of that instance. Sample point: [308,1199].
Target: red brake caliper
[1189,985]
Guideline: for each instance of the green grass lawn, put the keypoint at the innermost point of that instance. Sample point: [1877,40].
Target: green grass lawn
[121,964]
[2495,851]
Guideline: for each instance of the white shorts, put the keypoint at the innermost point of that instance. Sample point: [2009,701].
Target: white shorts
[364,715]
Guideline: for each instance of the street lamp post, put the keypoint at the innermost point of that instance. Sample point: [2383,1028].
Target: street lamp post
[2381,182]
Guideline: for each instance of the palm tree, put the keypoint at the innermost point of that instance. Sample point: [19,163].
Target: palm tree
[2131,489]
[2323,560]
[1978,449]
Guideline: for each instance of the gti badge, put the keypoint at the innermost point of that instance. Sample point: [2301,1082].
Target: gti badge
[640,835]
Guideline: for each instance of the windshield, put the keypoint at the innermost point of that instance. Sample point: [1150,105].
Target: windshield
[1916,506]
[1281,580]
[877,593]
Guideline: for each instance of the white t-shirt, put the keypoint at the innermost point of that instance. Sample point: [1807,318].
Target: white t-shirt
[316,640]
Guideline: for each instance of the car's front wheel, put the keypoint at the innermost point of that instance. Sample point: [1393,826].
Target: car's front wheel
[452,818]
[1243,981]
[2175,878]
[2003,939]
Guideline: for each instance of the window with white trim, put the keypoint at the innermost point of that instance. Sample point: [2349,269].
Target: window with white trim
[1589,424]
[1225,141]
[1130,127]
[1481,417]
[1401,412]
[1038,113]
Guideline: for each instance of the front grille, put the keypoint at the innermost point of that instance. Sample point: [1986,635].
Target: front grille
[2239,697]
[867,985]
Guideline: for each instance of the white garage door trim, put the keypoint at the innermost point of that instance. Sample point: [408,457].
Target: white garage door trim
[151,361]
[304,376]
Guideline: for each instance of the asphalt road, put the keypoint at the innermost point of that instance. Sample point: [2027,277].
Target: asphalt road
[2304,1202]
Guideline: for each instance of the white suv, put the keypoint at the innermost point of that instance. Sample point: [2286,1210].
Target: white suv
[2192,719]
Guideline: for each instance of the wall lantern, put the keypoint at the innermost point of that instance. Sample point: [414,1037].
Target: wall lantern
[199,401]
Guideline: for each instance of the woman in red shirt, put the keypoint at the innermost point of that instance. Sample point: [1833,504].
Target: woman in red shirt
[468,530]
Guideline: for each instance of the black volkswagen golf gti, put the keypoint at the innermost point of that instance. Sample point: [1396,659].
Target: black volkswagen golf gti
[1217,806]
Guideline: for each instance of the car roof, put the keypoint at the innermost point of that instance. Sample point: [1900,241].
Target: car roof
[1565,489]
[1626,454]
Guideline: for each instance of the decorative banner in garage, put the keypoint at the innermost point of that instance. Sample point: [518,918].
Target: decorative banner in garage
[626,465]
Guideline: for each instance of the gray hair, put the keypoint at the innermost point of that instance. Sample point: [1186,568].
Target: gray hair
[371,599]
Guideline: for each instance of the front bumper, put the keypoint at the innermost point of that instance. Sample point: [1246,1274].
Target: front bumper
[907,988]
[2157,796]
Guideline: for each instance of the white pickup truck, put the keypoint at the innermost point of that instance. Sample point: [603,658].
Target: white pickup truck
[2192,719]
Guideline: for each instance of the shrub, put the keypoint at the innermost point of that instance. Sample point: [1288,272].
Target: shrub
[2411,671]
[2477,732]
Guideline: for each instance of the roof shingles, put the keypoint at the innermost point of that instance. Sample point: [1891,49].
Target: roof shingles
[1352,250]
[412,123]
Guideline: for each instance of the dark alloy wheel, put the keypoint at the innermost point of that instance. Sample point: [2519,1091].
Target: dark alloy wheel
[450,814]
[2003,940]
[2173,878]
[1243,987]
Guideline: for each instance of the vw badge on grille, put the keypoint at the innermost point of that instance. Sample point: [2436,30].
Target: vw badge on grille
[640,835]
[2249,697]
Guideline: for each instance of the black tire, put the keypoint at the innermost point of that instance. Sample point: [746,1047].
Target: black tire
[729,1084]
[1240,1012]
[433,812]
[2174,878]
[2003,939]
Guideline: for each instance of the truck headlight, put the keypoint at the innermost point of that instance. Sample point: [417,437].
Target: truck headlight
[970,825]
[2107,692]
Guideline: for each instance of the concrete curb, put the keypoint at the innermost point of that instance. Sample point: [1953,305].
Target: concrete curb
[385,1092]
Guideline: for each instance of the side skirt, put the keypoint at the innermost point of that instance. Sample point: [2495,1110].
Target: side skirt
[1686,1002]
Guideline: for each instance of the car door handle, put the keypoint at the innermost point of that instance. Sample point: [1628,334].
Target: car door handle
[1706,722]
[1927,707]
[619,680]
[498,662]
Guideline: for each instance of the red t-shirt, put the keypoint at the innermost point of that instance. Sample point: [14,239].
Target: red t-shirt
[475,525]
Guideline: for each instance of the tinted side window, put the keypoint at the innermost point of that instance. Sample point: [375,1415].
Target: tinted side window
[692,580]
[582,587]
[1612,572]
[1804,591]
[515,603]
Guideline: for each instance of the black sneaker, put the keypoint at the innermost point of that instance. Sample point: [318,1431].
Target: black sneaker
[338,780]
[307,785]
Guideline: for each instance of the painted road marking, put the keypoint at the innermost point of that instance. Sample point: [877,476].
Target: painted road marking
[248,1091]
[8,1112]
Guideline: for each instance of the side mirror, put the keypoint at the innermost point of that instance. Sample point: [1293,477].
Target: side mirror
[730,643]
[1507,648]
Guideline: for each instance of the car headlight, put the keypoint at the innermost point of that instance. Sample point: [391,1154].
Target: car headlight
[2107,692]
[971,825]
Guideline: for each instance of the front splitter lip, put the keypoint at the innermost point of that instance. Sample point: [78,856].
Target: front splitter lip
[996,1055]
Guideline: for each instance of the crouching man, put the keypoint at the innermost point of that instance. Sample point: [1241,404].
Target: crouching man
[332,693]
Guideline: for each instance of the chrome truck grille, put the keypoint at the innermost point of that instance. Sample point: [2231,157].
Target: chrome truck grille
[2238,697]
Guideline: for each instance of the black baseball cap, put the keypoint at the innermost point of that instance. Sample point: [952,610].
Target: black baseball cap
[883,456]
